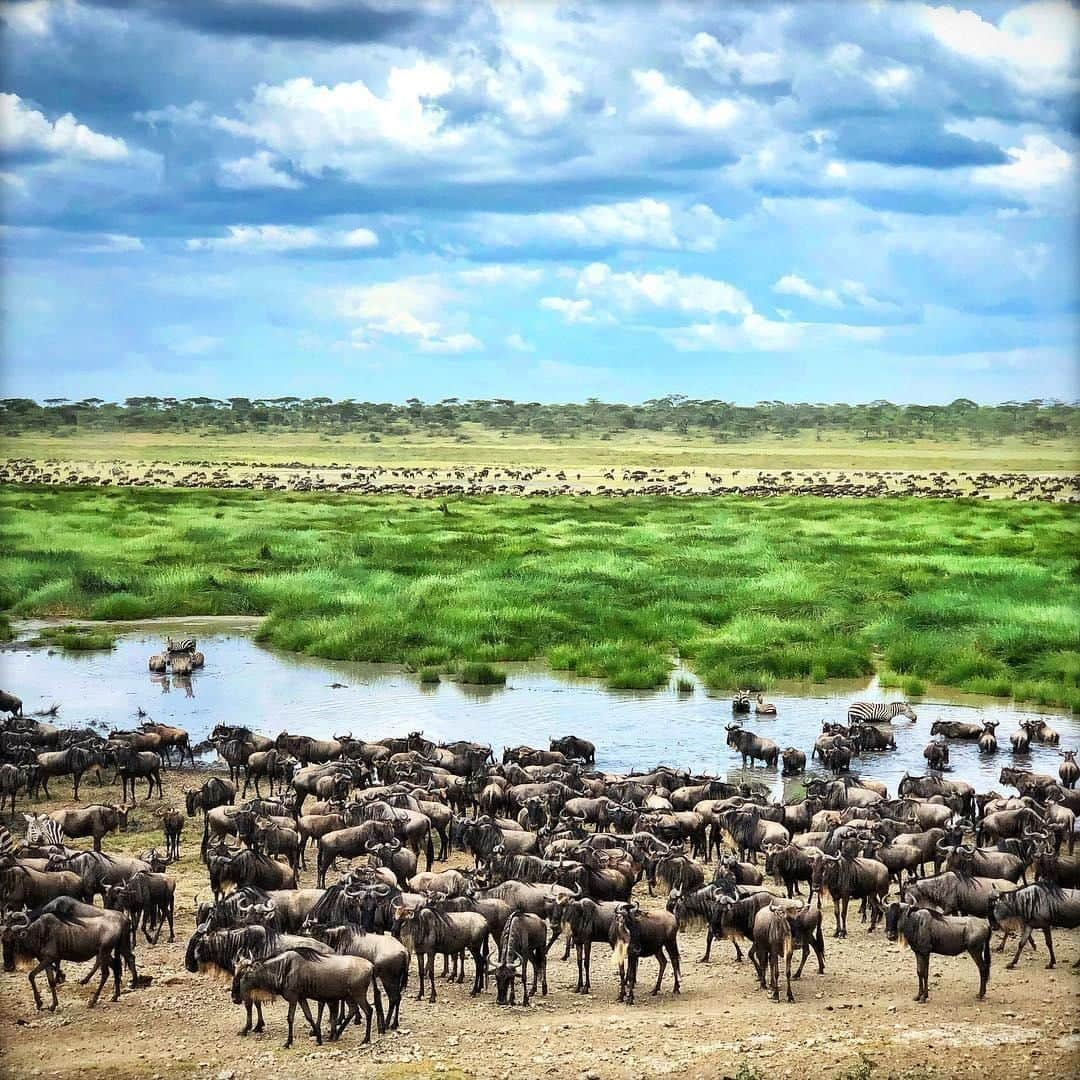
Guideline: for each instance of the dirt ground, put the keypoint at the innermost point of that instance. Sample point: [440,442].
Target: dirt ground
[856,1021]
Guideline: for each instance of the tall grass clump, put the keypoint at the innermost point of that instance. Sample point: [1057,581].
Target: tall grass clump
[7,631]
[430,675]
[481,675]
[76,638]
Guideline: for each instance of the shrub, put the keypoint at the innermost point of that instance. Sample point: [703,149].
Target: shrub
[429,675]
[481,675]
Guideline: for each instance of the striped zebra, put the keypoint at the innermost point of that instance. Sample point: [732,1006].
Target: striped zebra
[179,645]
[7,842]
[868,712]
[740,701]
[42,831]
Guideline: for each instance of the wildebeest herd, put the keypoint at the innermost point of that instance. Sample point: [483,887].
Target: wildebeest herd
[553,848]
[539,481]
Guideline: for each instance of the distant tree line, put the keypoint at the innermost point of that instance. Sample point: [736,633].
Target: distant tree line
[721,421]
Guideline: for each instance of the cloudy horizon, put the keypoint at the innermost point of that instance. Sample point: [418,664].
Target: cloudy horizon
[543,201]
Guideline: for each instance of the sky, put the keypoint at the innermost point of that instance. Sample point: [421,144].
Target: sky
[539,200]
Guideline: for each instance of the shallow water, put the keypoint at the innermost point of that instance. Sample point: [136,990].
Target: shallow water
[244,683]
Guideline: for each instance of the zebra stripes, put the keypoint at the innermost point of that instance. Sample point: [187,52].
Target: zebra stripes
[867,712]
[7,843]
[180,645]
[42,831]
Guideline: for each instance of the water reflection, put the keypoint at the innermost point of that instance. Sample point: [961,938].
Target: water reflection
[243,682]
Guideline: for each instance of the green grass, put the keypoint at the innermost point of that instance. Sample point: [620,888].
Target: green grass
[684,685]
[982,596]
[481,675]
[429,675]
[7,631]
[75,638]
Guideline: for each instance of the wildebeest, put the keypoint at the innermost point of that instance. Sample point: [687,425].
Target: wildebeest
[71,935]
[573,747]
[1068,770]
[772,940]
[430,932]
[11,704]
[937,755]
[172,738]
[1041,906]
[132,765]
[388,957]
[73,761]
[172,825]
[147,898]
[584,921]
[523,943]
[636,934]
[844,876]
[925,931]
[794,761]
[956,729]
[752,747]
[304,974]
[95,821]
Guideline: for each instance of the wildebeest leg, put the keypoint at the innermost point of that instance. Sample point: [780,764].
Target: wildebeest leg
[103,963]
[118,971]
[261,1022]
[541,962]
[380,1015]
[479,965]
[316,1025]
[662,961]
[774,972]
[981,955]
[587,948]
[676,961]
[802,960]
[922,967]
[524,981]
[708,946]
[75,778]
[420,964]
[47,968]
[631,979]
[365,1008]
[790,995]
[1049,947]
[291,1017]
[431,977]
[247,1017]
[1019,948]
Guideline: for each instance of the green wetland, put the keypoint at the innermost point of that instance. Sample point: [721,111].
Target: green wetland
[980,596]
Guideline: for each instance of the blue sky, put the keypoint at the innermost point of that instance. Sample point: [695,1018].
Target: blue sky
[545,201]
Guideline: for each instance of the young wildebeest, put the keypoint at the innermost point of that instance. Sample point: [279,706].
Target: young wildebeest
[172,825]
[302,975]
[634,935]
[523,942]
[772,939]
[925,932]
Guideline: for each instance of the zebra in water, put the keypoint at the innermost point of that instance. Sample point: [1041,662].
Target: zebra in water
[868,712]
[179,645]
[740,701]
[42,831]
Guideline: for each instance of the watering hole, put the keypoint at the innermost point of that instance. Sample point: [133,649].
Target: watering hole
[269,691]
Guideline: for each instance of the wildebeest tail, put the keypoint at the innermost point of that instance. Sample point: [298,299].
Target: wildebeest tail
[429,851]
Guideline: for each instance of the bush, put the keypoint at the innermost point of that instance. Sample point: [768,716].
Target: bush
[429,675]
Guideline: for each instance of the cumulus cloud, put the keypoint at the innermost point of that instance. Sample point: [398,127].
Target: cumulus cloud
[674,106]
[573,311]
[260,170]
[1037,164]
[793,285]
[703,52]
[757,333]
[263,238]
[409,310]
[670,289]
[24,130]
[501,274]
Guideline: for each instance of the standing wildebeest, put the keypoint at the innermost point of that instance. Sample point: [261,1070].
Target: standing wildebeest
[172,738]
[9,703]
[303,974]
[147,898]
[841,877]
[988,739]
[772,939]
[387,956]
[157,664]
[276,766]
[751,746]
[584,921]
[75,936]
[937,755]
[956,729]
[794,761]
[925,932]
[431,932]
[96,821]
[132,765]
[1041,906]
[635,935]
[523,942]
[215,792]
[172,825]
[75,760]
[1068,770]
[1020,740]
[1041,731]
[573,747]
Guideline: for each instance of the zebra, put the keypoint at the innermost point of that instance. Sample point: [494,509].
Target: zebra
[7,843]
[179,645]
[740,701]
[867,712]
[42,831]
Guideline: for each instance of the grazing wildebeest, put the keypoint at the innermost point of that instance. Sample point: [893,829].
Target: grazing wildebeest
[523,943]
[925,931]
[635,935]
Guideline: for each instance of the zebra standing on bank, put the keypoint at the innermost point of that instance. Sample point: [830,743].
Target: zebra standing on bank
[179,645]
[42,831]
[868,712]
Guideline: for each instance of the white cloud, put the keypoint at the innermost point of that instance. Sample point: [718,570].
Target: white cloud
[1036,44]
[23,129]
[664,289]
[756,333]
[261,238]
[1040,163]
[28,16]
[704,53]
[793,285]
[409,309]
[891,79]
[836,170]
[677,107]
[519,344]
[258,171]
[573,311]
[501,274]
[347,125]
[112,243]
